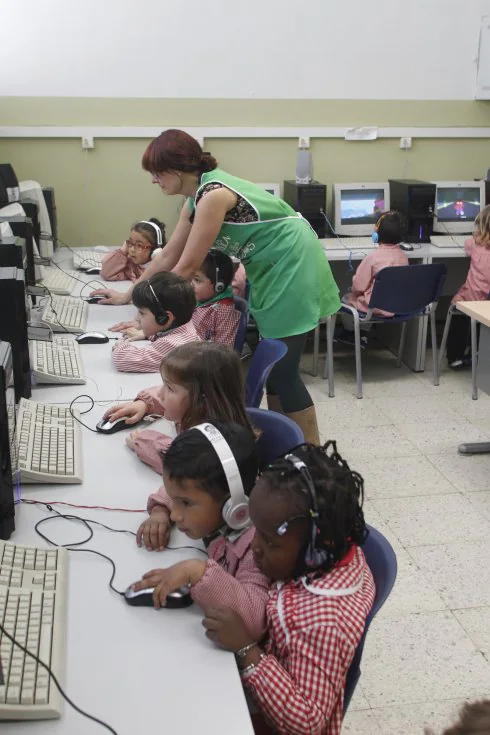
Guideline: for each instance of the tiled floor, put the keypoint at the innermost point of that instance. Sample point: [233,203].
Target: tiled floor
[429,648]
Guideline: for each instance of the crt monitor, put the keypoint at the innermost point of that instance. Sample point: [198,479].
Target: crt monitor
[357,206]
[14,313]
[457,205]
[9,471]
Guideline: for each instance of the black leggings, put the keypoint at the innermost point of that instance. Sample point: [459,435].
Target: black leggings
[285,380]
[459,337]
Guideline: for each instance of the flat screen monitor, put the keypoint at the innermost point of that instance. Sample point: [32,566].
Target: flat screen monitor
[357,206]
[457,205]
[9,469]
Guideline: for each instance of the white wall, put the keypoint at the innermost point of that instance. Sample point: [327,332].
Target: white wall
[337,49]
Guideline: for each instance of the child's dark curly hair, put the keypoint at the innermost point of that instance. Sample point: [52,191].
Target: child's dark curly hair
[339,497]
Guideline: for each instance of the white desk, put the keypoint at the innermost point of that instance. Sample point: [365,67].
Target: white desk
[138,669]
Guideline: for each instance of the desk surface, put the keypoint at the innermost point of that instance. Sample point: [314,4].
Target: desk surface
[479,310]
[138,669]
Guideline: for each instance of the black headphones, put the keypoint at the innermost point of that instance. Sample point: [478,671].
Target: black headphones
[161,318]
[219,284]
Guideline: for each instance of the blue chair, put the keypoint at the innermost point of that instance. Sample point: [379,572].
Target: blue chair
[241,306]
[268,352]
[453,310]
[381,560]
[279,434]
[409,292]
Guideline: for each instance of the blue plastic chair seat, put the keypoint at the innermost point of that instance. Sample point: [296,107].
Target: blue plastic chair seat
[279,434]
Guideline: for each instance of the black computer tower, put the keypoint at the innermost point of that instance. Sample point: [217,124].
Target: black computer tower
[48,193]
[10,182]
[415,200]
[8,451]
[19,251]
[13,327]
[308,200]
[31,209]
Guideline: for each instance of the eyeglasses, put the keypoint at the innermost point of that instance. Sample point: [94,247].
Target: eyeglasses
[137,245]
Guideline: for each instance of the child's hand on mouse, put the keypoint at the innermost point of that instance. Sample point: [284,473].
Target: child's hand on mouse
[168,580]
[133,412]
[121,326]
[154,533]
[226,628]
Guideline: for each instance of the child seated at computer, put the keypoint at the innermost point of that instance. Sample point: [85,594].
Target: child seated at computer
[309,525]
[388,234]
[475,288]
[209,472]
[165,304]
[128,262]
[215,317]
[201,381]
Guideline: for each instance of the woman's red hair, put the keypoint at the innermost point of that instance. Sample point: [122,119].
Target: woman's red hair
[175,150]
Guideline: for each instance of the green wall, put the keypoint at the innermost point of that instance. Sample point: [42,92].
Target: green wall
[100,192]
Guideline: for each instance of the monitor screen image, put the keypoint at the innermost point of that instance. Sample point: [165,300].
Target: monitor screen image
[361,206]
[457,205]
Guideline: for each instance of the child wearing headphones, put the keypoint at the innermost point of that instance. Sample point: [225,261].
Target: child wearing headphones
[209,472]
[309,525]
[215,317]
[128,262]
[388,234]
[165,304]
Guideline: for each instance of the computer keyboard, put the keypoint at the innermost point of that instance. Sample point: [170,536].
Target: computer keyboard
[56,362]
[358,243]
[84,258]
[65,314]
[59,282]
[49,443]
[449,241]
[33,610]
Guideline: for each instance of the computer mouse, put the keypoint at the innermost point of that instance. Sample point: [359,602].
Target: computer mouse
[406,246]
[110,427]
[144,598]
[91,338]
[92,271]
[94,299]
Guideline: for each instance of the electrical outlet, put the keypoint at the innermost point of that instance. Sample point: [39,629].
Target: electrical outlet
[87,142]
[405,143]
[303,141]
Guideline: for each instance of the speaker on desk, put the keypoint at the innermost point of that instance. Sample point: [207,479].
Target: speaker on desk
[48,193]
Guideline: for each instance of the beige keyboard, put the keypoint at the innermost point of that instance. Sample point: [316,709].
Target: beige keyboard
[33,610]
[449,241]
[59,282]
[56,362]
[65,314]
[49,443]
[85,258]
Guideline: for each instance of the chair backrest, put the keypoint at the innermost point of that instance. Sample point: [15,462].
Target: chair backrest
[381,560]
[268,352]
[241,306]
[279,434]
[407,289]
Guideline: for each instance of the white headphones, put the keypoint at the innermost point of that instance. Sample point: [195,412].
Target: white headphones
[235,510]
[158,231]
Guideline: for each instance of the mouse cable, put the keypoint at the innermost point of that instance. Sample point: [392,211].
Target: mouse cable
[56,682]
[75,278]
[27,501]
[51,306]
[70,408]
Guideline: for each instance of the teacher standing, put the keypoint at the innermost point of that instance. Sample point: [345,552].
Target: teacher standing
[291,284]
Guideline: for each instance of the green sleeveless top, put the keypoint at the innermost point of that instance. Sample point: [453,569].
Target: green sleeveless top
[291,284]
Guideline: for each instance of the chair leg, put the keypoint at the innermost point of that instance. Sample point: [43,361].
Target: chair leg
[442,349]
[474,359]
[328,370]
[401,346]
[316,351]
[433,336]
[357,338]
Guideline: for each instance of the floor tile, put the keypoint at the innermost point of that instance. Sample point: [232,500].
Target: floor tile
[386,441]
[358,700]
[481,502]
[432,519]
[360,722]
[414,718]
[450,382]
[350,412]
[458,571]
[405,476]
[420,658]
[412,409]
[468,474]
[476,622]
[413,592]
[472,410]
[437,437]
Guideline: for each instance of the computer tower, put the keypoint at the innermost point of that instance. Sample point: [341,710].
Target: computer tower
[308,200]
[13,327]
[8,448]
[10,182]
[31,210]
[19,251]
[48,193]
[415,200]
